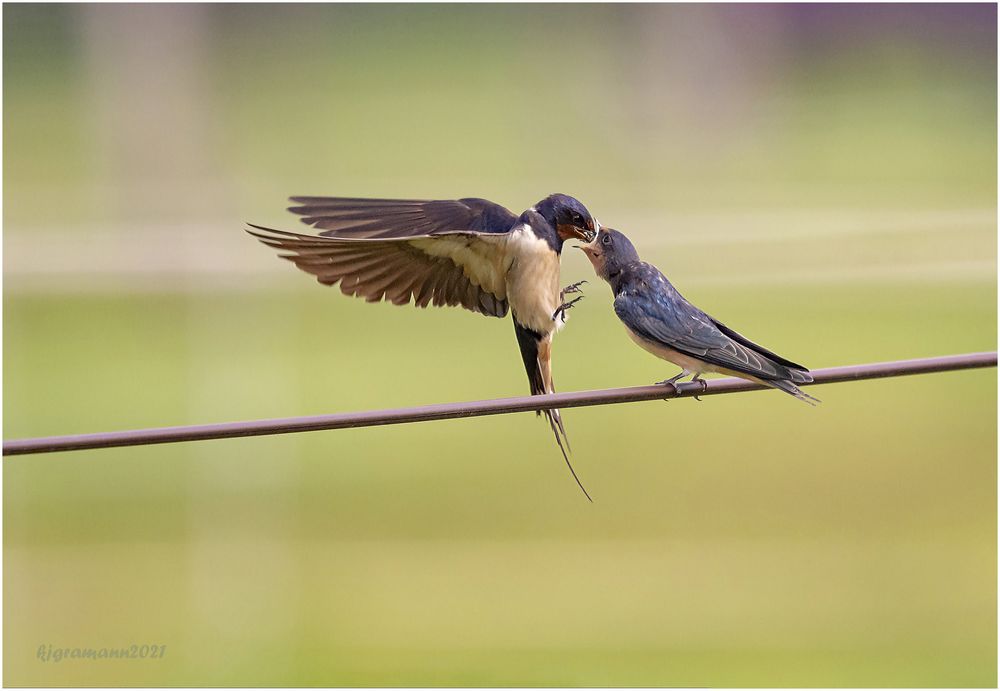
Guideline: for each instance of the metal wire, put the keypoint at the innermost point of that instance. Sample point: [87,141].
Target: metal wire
[501,406]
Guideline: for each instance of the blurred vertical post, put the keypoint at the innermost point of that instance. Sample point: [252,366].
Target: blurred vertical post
[153,111]
[150,106]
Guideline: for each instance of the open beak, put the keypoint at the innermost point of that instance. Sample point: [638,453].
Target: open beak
[571,232]
[568,232]
[590,250]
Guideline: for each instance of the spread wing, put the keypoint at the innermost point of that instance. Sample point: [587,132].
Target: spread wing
[447,268]
[659,313]
[394,218]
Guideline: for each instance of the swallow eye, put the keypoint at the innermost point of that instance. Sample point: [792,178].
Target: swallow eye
[606,240]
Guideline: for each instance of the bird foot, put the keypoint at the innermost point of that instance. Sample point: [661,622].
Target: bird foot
[572,288]
[704,386]
[672,382]
[674,379]
[561,310]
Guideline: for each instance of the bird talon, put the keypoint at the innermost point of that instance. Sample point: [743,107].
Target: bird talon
[673,381]
[561,310]
[704,386]
[573,288]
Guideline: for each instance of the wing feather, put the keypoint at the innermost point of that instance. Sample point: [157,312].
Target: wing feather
[657,312]
[743,340]
[454,268]
[398,218]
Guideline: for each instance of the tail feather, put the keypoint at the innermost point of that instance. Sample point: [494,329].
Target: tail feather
[529,343]
[557,416]
[790,388]
[555,422]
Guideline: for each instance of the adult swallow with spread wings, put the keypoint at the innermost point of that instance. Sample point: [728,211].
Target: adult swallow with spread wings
[468,252]
[661,321]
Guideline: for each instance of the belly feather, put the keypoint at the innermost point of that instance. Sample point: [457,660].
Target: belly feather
[533,282]
[663,352]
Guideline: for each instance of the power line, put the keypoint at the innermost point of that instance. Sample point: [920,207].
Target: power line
[501,406]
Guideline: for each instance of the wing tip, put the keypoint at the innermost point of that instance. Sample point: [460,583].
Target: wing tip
[265,233]
[790,388]
[259,232]
[801,376]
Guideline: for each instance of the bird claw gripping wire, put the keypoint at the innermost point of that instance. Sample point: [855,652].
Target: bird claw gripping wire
[676,378]
[673,380]
[704,386]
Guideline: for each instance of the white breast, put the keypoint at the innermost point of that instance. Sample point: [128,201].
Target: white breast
[533,281]
[663,352]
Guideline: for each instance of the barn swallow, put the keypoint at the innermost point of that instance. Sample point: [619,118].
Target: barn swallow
[661,321]
[468,252]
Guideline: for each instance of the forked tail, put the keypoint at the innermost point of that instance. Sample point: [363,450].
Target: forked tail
[536,355]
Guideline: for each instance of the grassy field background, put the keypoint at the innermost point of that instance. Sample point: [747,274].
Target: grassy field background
[822,179]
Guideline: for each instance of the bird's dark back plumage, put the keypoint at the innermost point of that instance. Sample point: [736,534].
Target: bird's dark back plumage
[743,340]
[652,308]
[356,218]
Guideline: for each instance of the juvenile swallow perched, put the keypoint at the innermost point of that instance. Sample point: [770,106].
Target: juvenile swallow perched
[661,321]
[468,252]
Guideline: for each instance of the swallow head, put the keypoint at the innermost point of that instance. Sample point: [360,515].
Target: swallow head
[610,252]
[569,217]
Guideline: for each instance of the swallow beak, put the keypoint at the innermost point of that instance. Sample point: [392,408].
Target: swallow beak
[589,233]
[568,232]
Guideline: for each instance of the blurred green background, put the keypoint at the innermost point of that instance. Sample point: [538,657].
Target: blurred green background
[822,178]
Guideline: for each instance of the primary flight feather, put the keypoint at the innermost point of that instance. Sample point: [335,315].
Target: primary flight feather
[468,252]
